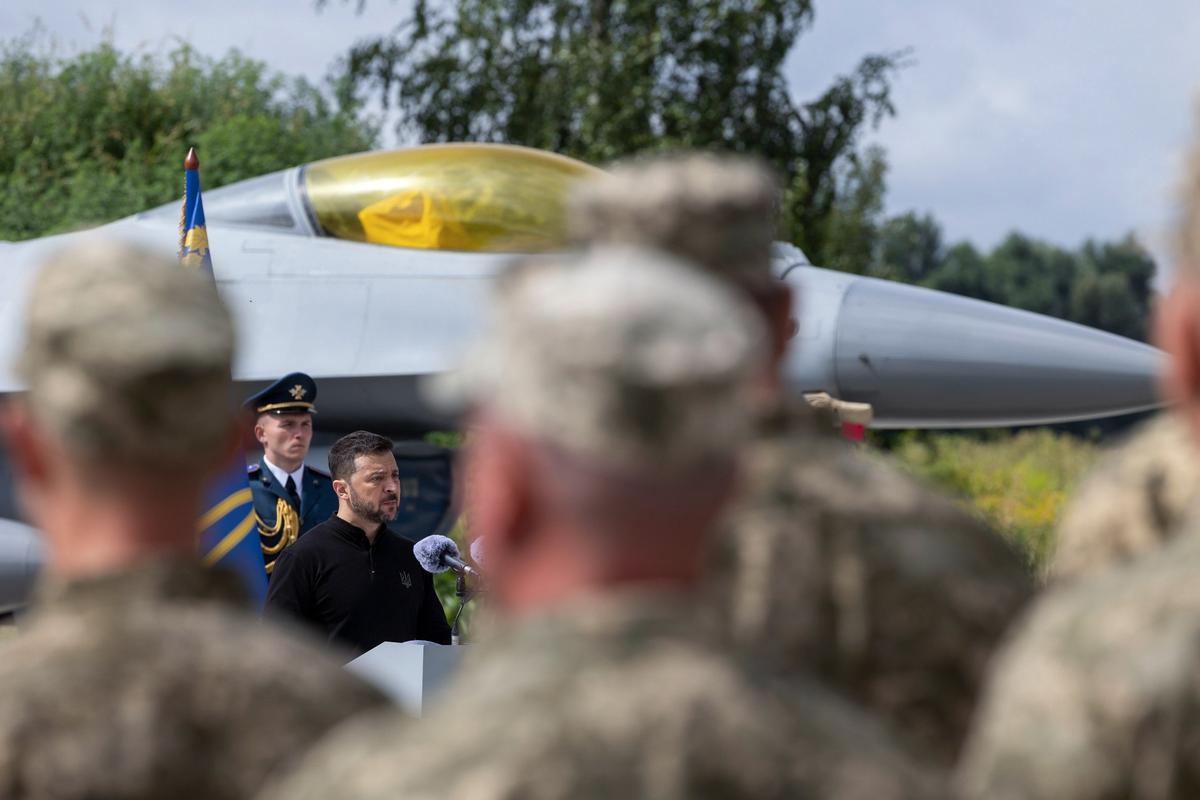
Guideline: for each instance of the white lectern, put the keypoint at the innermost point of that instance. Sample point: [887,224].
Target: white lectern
[409,672]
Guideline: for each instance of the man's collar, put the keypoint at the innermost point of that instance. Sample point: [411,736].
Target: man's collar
[282,475]
[352,533]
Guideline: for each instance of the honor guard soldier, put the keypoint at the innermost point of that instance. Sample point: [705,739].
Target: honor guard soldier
[289,496]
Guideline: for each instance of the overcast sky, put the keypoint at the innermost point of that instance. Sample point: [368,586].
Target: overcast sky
[1058,118]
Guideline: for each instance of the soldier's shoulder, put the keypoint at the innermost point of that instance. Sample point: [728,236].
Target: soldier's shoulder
[40,656]
[1158,454]
[1112,610]
[273,675]
[350,762]
[256,476]
[847,484]
[198,667]
[1133,499]
[848,751]
[841,476]
[1106,658]
[317,472]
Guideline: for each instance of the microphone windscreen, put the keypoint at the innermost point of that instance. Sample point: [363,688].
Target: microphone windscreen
[431,551]
[479,552]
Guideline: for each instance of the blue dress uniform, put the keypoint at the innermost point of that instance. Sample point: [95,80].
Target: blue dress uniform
[281,521]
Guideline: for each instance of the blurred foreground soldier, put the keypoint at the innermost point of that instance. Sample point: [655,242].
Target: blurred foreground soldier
[833,560]
[140,674]
[608,411]
[351,579]
[290,497]
[1134,500]
[1097,696]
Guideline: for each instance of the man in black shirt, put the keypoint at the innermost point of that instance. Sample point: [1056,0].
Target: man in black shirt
[350,578]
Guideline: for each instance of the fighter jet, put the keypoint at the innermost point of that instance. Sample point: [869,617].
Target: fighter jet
[371,271]
[20,560]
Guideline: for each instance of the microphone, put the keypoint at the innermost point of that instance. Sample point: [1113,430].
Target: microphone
[439,553]
[479,552]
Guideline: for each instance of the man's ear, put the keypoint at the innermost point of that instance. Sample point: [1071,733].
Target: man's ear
[1177,331]
[783,323]
[342,489]
[498,491]
[26,449]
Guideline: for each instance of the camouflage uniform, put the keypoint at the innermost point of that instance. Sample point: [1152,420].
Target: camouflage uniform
[1097,695]
[833,560]
[1133,501]
[158,682]
[611,698]
[628,359]
[146,679]
[836,561]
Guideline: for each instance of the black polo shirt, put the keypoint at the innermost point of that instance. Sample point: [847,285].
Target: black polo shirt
[355,593]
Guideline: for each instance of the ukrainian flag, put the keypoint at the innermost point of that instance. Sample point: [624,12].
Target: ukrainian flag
[228,532]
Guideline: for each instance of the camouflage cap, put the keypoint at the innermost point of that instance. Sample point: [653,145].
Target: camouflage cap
[717,211]
[622,355]
[127,355]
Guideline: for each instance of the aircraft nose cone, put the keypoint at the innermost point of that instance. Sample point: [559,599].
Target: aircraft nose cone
[930,359]
[21,556]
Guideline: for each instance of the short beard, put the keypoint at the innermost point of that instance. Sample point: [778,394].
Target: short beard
[365,510]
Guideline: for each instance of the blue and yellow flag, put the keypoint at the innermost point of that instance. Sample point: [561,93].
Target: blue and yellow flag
[228,530]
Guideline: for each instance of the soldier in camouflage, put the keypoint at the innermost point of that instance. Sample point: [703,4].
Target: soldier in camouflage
[609,404]
[1094,696]
[141,674]
[1134,500]
[833,560]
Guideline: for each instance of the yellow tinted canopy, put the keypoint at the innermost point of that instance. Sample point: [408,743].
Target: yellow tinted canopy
[473,197]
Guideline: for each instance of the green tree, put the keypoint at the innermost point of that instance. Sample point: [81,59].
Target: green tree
[1114,292]
[963,270]
[99,135]
[910,249]
[1033,275]
[601,80]
[1105,285]
[851,228]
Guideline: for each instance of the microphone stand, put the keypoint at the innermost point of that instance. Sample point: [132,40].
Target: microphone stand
[464,595]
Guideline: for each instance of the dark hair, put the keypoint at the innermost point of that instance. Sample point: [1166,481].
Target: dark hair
[348,448]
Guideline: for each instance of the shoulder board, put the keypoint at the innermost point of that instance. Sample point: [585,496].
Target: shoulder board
[315,471]
[253,469]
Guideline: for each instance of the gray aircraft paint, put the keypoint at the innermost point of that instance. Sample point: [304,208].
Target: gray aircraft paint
[368,321]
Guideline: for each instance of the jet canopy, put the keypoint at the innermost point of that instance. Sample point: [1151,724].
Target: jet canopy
[464,197]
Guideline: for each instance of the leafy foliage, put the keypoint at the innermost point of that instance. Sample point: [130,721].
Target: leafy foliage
[604,79]
[1019,483]
[1106,285]
[99,135]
